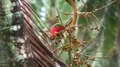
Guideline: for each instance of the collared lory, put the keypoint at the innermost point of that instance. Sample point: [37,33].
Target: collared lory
[56,28]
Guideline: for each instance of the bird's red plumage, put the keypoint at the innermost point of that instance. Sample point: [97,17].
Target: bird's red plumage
[56,30]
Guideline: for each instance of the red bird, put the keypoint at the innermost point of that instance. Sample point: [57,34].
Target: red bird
[56,29]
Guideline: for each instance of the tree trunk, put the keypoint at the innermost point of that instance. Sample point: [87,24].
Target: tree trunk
[5,22]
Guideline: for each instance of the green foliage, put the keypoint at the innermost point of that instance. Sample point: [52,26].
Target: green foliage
[105,20]
[97,33]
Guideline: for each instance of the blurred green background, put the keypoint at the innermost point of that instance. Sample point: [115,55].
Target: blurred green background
[105,38]
[106,46]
